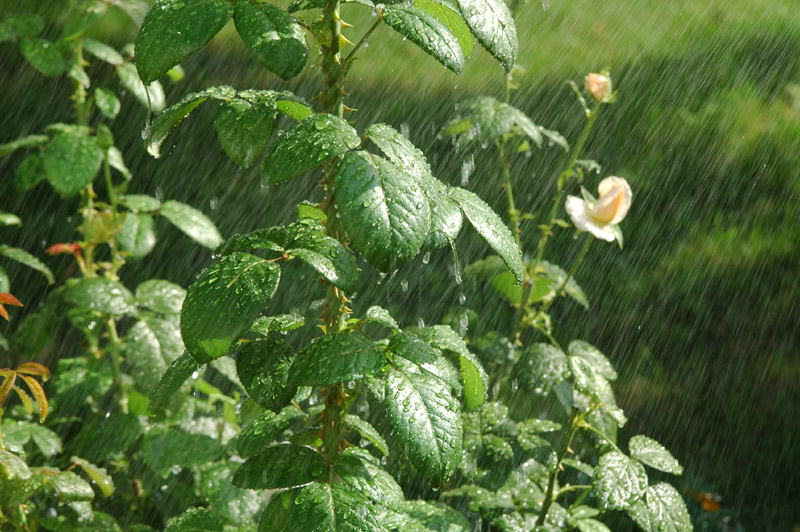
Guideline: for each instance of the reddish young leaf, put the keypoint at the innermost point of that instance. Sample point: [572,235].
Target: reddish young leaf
[34,368]
[8,382]
[8,299]
[38,394]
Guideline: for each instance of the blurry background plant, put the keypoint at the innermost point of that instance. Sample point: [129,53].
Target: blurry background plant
[705,290]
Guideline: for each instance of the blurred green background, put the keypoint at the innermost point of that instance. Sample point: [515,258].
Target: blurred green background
[700,312]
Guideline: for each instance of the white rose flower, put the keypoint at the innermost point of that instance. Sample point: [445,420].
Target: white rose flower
[601,216]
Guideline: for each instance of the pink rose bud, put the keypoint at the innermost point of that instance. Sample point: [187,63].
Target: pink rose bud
[599,86]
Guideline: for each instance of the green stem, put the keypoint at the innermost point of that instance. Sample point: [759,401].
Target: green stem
[361,41]
[513,213]
[562,451]
[600,433]
[571,487]
[563,178]
[114,351]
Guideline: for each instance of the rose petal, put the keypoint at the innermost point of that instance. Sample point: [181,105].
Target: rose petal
[623,196]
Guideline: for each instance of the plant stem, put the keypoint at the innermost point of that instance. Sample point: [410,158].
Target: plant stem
[114,351]
[562,451]
[563,178]
[513,213]
[361,41]
[336,311]
[599,433]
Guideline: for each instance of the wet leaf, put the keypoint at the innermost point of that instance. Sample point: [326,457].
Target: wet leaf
[263,369]
[72,488]
[20,25]
[102,295]
[368,432]
[163,448]
[450,17]
[336,358]
[160,296]
[273,36]
[264,429]
[591,525]
[224,302]
[195,520]
[107,102]
[280,466]
[98,475]
[280,323]
[491,228]
[175,29]
[23,257]
[651,453]
[140,203]
[380,315]
[192,222]
[179,372]
[588,381]
[71,161]
[597,360]
[137,235]
[428,32]
[426,417]
[30,172]
[12,466]
[661,509]
[244,128]
[28,141]
[311,142]
[169,119]
[237,505]
[43,55]
[476,381]
[102,51]
[386,215]
[150,96]
[493,25]
[618,481]
[333,507]
[363,473]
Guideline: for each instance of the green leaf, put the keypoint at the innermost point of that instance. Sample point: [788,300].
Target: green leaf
[336,358]
[545,366]
[12,466]
[237,505]
[263,369]
[141,203]
[597,360]
[432,516]
[18,433]
[661,509]
[476,381]
[493,25]
[618,481]
[192,222]
[332,260]
[179,372]
[98,475]
[150,96]
[411,347]
[426,417]
[160,296]
[381,316]
[71,160]
[452,19]
[588,381]
[43,55]
[28,141]
[280,466]
[163,448]
[72,488]
[311,142]
[333,507]
[274,36]
[102,295]
[102,51]
[30,172]
[175,29]
[557,275]
[25,258]
[195,520]
[651,453]
[445,215]
[281,323]
[591,525]
[264,429]
[107,102]
[491,228]
[428,32]
[137,236]
[506,284]
[169,119]
[146,357]
[224,302]
[244,128]
[367,432]
[363,473]
[20,25]
[386,215]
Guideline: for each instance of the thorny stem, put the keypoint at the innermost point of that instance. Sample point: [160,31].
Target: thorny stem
[562,451]
[336,311]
